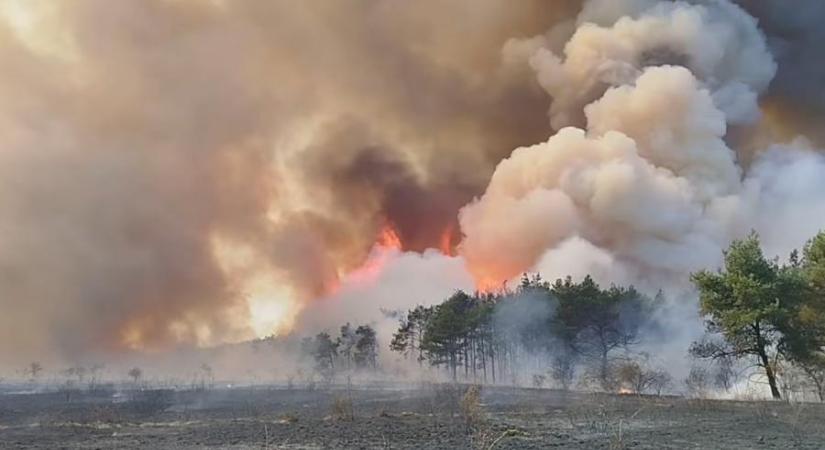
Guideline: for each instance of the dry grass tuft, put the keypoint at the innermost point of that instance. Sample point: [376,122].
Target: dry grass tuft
[489,439]
[342,409]
[603,419]
[288,418]
[472,412]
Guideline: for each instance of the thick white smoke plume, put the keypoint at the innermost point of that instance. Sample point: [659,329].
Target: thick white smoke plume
[648,190]
[391,282]
[719,43]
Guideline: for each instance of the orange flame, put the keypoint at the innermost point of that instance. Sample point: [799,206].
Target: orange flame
[386,243]
[388,238]
[490,285]
[445,242]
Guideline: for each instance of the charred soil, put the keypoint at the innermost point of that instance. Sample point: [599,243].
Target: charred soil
[424,417]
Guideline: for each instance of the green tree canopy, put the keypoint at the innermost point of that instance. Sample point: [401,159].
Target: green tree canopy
[751,303]
[447,329]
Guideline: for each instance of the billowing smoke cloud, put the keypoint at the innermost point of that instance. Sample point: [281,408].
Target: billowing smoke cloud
[649,200]
[389,283]
[171,171]
[615,41]
[649,189]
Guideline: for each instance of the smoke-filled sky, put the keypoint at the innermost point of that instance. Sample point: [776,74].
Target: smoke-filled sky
[181,172]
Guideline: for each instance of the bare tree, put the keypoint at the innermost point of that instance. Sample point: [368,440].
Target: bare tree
[207,376]
[33,370]
[816,376]
[78,372]
[640,378]
[725,376]
[135,374]
[563,369]
[95,374]
[697,381]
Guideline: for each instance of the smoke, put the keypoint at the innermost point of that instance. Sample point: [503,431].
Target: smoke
[196,172]
[390,282]
[782,196]
[576,257]
[794,33]
[654,212]
[649,189]
[193,173]
[612,45]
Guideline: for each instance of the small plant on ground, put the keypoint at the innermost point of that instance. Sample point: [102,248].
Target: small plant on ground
[288,418]
[472,412]
[490,439]
[342,408]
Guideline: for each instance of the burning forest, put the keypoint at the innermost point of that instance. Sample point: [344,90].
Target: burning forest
[577,196]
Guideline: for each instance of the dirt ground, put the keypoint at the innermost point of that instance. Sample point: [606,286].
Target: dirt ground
[424,417]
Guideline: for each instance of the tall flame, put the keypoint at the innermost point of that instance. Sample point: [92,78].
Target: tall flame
[388,238]
[445,242]
[490,285]
[387,243]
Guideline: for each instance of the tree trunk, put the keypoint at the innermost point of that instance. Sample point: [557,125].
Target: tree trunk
[771,375]
[604,372]
[473,360]
[454,360]
[466,362]
[493,361]
[766,363]
[483,358]
[420,351]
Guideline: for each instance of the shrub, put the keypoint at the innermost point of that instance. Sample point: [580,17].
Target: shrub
[342,408]
[472,412]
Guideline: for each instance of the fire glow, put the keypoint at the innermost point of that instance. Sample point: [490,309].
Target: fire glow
[387,244]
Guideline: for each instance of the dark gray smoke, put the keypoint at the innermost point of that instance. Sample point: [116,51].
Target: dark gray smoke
[795,34]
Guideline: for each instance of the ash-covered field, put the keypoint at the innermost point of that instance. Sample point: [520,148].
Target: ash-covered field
[420,417]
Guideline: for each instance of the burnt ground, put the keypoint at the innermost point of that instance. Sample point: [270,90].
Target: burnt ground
[426,417]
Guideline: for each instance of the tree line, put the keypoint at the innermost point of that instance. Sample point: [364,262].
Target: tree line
[355,348]
[757,311]
[565,326]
